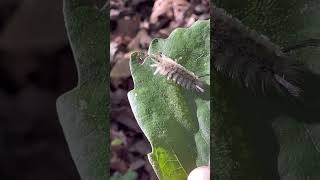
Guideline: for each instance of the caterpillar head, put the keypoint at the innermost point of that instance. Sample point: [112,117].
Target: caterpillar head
[157,57]
[154,57]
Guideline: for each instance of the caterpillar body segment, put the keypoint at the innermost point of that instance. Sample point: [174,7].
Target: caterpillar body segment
[252,59]
[176,72]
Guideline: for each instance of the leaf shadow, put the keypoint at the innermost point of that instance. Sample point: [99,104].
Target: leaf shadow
[306,109]
[191,100]
[255,114]
[254,117]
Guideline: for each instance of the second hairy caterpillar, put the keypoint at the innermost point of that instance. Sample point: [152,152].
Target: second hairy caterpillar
[252,59]
[176,72]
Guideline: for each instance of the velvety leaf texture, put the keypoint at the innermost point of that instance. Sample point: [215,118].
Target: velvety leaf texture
[259,138]
[175,120]
[83,111]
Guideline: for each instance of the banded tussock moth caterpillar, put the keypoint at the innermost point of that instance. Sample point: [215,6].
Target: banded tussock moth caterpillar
[252,59]
[176,72]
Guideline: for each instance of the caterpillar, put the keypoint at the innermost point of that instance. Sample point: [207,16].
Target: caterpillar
[176,72]
[252,59]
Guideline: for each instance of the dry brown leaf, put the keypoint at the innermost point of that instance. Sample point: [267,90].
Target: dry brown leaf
[113,50]
[170,9]
[141,147]
[124,116]
[127,26]
[166,31]
[121,39]
[116,4]
[201,8]
[114,14]
[191,20]
[180,7]
[121,69]
[118,164]
[161,7]
[137,164]
[151,172]
[137,2]
[119,99]
[142,39]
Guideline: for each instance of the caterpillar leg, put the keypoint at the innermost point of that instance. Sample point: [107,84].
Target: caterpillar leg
[203,75]
[293,90]
[176,60]
[157,70]
[199,89]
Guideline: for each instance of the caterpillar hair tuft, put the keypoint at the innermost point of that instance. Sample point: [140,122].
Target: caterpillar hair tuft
[252,59]
[176,72]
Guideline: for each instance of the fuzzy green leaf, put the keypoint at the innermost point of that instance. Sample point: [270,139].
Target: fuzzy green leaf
[175,120]
[83,111]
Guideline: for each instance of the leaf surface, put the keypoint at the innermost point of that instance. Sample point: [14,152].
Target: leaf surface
[83,110]
[175,120]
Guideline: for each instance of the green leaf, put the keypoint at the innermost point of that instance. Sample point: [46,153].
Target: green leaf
[116,142]
[260,139]
[83,110]
[175,120]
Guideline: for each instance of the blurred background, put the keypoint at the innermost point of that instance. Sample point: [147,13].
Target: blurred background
[36,66]
[133,24]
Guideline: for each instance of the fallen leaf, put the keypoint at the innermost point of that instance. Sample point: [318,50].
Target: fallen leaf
[128,26]
[119,98]
[113,50]
[137,164]
[180,7]
[161,7]
[142,147]
[170,9]
[142,39]
[125,117]
[114,13]
[121,69]
[118,164]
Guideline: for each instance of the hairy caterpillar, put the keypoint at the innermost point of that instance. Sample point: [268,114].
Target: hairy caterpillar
[252,59]
[176,72]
